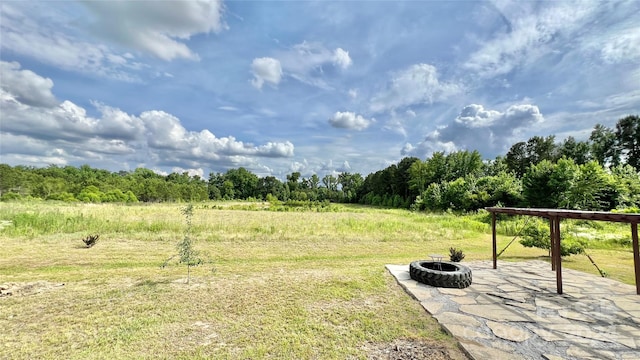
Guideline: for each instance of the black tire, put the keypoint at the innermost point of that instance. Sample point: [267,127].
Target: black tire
[440,274]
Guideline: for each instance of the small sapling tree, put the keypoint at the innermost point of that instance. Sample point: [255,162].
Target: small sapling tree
[187,254]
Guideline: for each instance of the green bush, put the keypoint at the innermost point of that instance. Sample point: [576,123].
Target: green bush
[538,235]
[10,196]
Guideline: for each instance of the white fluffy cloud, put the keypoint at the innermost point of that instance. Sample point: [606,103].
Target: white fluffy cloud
[31,33]
[341,58]
[27,87]
[86,44]
[156,27]
[265,70]
[418,84]
[154,137]
[304,62]
[476,128]
[349,120]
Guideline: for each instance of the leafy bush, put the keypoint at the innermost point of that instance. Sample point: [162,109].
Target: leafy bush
[538,235]
[10,196]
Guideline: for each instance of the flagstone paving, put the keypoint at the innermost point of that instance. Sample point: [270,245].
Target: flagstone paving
[515,312]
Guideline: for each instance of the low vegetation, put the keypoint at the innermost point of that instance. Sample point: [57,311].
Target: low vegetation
[304,284]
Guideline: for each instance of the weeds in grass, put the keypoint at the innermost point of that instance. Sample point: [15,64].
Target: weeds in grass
[90,240]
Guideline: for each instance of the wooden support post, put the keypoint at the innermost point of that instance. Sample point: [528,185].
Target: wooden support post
[636,255]
[552,238]
[495,245]
[557,253]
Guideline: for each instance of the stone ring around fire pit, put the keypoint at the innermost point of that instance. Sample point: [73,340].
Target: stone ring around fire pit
[440,274]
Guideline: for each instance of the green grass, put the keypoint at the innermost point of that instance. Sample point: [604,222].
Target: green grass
[281,284]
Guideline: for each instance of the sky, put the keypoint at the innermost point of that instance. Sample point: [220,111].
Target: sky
[316,87]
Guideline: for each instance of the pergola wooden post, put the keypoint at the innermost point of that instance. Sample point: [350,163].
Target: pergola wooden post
[554,216]
[636,254]
[552,239]
[495,254]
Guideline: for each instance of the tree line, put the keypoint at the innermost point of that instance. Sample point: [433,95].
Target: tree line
[600,173]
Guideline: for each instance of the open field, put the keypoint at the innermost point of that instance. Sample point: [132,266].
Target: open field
[304,285]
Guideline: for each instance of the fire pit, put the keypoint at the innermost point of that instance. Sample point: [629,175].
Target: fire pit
[440,273]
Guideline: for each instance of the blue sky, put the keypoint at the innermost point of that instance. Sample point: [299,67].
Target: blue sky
[311,86]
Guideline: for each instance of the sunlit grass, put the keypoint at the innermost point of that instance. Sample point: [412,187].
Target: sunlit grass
[305,285]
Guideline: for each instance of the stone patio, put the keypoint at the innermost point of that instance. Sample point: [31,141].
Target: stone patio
[514,312]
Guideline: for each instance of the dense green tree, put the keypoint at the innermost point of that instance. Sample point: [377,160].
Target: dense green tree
[418,176]
[496,166]
[517,159]
[591,189]
[402,178]
[350,185]
[521,155]
[293,181]
[627,186]
[579,151]
[228,190]
[244,182]
[216,180]
[536,183]
[271,185]
[504,188]
[437,168]
[603,146]
[628,139]
[464,163]
[10,179]
[541,148]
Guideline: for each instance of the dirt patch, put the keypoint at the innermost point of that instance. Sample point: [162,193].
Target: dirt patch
[30,288]
[411,350]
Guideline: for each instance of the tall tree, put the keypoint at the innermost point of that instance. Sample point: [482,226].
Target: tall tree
[603,146]
[330,182]
[545,183]
[579,151]
[463,163]
[271,185]
[244,182]
[517,159]
[628,139]
[293,181]
[541,148]
[402,177]
[418,176]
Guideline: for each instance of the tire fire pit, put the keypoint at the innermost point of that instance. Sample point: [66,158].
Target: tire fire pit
[440,274]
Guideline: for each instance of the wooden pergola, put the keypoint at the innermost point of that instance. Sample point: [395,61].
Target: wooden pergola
[554,216]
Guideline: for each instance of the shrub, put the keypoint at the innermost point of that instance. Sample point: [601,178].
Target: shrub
[90,240]
[538,235]
[455,255]
[10,196]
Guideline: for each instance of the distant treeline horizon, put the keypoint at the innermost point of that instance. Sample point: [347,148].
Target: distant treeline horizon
[600,173]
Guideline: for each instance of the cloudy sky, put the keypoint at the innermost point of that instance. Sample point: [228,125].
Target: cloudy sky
[311,86]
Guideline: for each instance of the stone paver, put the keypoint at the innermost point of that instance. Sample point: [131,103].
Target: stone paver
[514,312]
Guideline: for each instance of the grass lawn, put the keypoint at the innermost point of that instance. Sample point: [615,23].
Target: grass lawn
[299,285]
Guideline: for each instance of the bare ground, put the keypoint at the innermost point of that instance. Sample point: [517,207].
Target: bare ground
[411,350]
